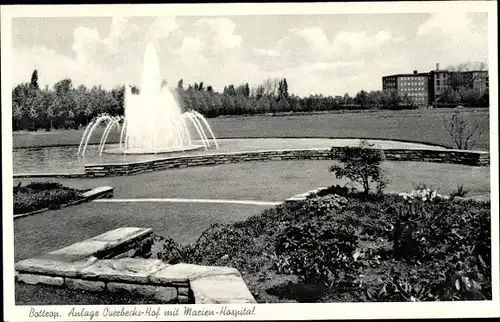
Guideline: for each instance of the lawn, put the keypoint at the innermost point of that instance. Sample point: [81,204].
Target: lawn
[276,181]
[415,125]
[267,181]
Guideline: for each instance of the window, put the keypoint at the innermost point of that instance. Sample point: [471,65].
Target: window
[438,82]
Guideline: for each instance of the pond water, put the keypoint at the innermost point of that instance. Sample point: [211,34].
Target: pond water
[63,159]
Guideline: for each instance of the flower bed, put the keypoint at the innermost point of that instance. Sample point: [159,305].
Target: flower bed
[40,195]
[353,247]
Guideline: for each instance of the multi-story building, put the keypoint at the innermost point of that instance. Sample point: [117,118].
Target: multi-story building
[414,85]
[426,88]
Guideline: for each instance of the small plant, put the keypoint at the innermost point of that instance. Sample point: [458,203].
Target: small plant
[167,250]
[460,192]
[464,132]
[324,205]
[413,221]
[360,164]
[317,251]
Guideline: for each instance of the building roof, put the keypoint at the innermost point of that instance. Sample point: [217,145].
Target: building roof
[406,75]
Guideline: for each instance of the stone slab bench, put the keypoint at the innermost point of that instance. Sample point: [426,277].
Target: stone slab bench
[96,265]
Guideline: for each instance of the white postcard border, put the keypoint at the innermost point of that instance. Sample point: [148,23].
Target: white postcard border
[263,311]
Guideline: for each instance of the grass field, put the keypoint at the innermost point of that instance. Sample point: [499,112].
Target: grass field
[413,125]
[184,222]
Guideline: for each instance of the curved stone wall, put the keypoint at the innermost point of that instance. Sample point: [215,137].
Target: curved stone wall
[473,158]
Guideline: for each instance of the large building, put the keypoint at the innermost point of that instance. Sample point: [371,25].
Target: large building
[415,85]
[425,89]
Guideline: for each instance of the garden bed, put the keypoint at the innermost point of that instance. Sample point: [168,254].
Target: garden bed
[37,196]
[345,246]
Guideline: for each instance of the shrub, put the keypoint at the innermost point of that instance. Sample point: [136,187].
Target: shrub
[463,131]
[38,186]
[360,164]
[323,205]
[225,245]
[460,192]
[31,201]
[334,190]
[316,251]
[430,229]
[165,249]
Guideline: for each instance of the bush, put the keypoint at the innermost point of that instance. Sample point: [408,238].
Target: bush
[460,192]
[361,165]
[226,245]
[357,245]
[334,190]
[39,195]
[317,251]
[323,205]
[37,186]
[165,249]
[31,201]
[463,131]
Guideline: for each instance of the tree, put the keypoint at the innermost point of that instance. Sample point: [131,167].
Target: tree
[361,98]
[360,164]
[180,86]
[468,66]
[285,88]
[463,131]
[247,90]
[34,79]
[134,90]
[259,92]
[346,99]
[17,114]
[270,87]
[230,90]
[210,89]
[282,89]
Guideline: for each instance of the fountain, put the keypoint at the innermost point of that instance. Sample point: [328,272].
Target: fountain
[153,120]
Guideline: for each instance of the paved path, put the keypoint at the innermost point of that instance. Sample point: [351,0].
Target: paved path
[178,200]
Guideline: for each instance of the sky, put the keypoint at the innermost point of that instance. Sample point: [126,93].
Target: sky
[318,54]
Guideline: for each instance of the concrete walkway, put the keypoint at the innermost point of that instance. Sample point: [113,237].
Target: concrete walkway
[179,200]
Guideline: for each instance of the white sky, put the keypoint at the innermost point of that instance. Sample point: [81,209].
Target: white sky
[318,54]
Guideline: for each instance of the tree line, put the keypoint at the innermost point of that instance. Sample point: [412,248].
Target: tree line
[64,106]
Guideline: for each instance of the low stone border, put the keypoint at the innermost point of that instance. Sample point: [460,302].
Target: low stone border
[96,264]
[48,175]
[99,192]
[474,158]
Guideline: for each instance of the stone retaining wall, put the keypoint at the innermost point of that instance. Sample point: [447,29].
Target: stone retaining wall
[475,158]
[96,264]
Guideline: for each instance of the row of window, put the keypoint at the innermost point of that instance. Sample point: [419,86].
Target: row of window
[413,89]
[412,78]
[412,83]
[416,94]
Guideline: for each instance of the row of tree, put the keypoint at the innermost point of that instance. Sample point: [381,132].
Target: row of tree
[65,106]
[466,96]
